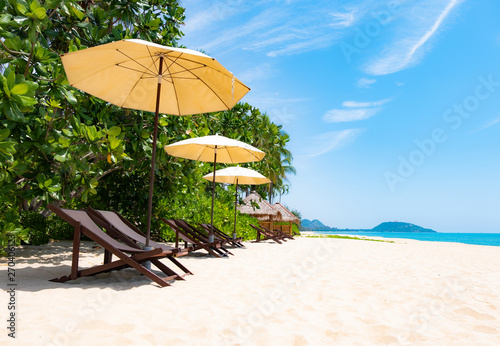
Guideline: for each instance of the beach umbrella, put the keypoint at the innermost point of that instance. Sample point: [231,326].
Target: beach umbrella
[215,148]
[237,175]
[145,76]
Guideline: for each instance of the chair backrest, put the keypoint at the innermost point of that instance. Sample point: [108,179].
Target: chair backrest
[120,224]
[217,232]
[256,228]
[113,219]
[184,235]
[194,232]
[88,227]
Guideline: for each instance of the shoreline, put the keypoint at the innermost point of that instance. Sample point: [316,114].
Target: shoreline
[305,291]
[393,238]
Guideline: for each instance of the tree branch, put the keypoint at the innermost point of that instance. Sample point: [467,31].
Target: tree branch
[12,51]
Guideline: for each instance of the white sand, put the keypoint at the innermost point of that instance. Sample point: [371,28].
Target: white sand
[304,292]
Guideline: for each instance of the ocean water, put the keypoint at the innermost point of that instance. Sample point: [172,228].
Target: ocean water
[491,239]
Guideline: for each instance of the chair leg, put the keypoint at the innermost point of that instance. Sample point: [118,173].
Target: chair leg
[166,269]
[177,263]
[76,251]
[107,256]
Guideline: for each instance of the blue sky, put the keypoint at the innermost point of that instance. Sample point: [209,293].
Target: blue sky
[393,107]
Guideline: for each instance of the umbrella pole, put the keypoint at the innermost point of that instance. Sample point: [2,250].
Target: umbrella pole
[153,158]
[211,233]
[235,204]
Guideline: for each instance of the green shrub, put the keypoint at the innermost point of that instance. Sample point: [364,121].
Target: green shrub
[36,224]
[58,229]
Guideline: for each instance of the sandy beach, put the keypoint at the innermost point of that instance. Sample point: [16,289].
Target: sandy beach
[307,291]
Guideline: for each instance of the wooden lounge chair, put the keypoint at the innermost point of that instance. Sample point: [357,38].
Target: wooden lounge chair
[203,235]
[221,235]
[278,233]
[265,234]
[119,227]
[186,233]
[83,224]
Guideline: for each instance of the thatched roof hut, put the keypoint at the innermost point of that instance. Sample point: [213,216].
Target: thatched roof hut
[265,212]
[286,215]
[268,214]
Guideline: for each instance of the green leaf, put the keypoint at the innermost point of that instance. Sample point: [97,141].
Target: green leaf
[154,24]
[11,80]
[12,112]
[62,156]
[19,89]
[114,131]
[67,132]
[26,101]
[114,142]
[40,178]
[4,133]
[5,19]
[52,4]
[34,5]
[69,96]
[54,188]
[65,142]
[92,133]
[75,123]
[76,12]
[40,13]
[8,148]
[21,8]
[20,21]
[163,121]
[54,104]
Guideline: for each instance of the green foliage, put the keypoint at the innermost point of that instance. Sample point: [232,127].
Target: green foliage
[248,124]
[295,212]
[59,229]
[196,209]
[334,236]
[56,142]
[60,144]
[37,227]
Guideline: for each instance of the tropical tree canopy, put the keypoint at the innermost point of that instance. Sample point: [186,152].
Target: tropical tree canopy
[60,144]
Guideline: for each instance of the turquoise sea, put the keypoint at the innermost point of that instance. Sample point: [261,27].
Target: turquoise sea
[491,239]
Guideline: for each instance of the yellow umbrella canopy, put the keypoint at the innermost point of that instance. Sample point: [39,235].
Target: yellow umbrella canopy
[237,175]
[129,73]
[205,148]
[217,149]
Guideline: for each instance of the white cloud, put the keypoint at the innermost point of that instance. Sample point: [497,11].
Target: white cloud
[407,50]
[257,72]
[490,124]
[343,20]
[356,104]
[354,111]
[279,109]
[365,82]
[345,115]
[330,141]
[304,46]
[278,27]
[199,17]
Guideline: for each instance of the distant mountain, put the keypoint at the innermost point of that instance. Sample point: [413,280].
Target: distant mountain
[316,225]
[400,227]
